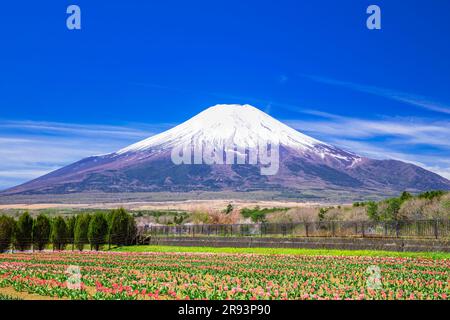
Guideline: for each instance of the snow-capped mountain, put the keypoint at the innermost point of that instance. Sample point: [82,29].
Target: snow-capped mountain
[304,162]
[242,125]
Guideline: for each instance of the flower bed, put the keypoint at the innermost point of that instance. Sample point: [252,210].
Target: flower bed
[224,276]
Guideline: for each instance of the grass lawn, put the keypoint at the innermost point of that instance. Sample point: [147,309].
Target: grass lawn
[312,252]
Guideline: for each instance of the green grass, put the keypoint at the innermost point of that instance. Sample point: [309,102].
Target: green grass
[313,252]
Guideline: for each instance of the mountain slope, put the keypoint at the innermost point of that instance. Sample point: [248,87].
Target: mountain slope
[305,163]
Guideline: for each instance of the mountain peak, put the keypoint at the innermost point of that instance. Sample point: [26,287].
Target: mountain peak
[231,109]
[226,124]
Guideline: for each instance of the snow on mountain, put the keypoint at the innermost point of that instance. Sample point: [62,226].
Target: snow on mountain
[239,125]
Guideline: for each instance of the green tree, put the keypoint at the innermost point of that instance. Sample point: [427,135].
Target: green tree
[430,195]
[256,214]
[178,219]
[98,230]
[24,232]
[41,231]
[7,226]
[372,211]
[405,196]
[118,230]
[109,217]
[323,213]
[59,233]
[229,208]
[392,210]
[70,222]
[81,231]
[131,230]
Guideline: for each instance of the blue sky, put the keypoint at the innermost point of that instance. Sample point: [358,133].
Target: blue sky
[137,68]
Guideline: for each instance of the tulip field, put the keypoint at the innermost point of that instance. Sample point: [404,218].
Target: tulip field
[197,275]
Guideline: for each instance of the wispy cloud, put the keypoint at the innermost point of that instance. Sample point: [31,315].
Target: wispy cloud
[408,98]
[406,130]
[424,142]
[437,163]
[31,149]
[127,131]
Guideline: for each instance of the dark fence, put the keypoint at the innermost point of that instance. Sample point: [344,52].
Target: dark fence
[397,229]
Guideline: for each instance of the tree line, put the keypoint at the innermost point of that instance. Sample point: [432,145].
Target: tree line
[390,209]
[116,227]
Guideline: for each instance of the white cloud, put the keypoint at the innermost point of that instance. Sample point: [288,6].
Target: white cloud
[412,131]
[412,99]
[422,142]
[30,149]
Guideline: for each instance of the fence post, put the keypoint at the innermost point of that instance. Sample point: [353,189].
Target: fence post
[363,229]
[436,229]
[306,229]
[333,231]
[418,229]
[397,228]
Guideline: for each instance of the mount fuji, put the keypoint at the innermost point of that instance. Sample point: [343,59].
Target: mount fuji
[304,163]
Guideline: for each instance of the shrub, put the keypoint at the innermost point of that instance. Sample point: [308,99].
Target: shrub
[41,231]
[7,226]
[24,232]
[256,214]
[178,219]
[322,213]
[199,217]
[229,208]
